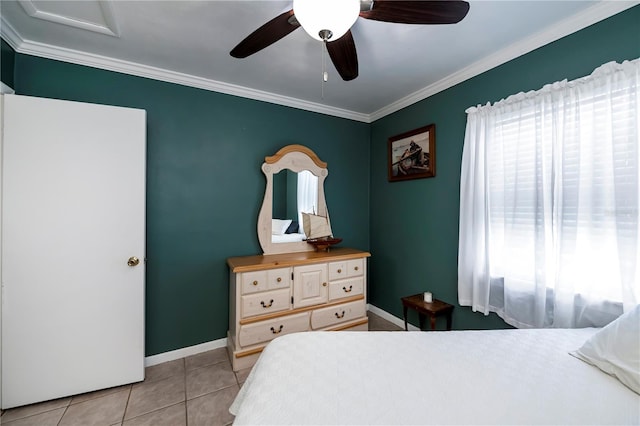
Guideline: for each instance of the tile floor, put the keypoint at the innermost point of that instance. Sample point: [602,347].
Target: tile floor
[196,390]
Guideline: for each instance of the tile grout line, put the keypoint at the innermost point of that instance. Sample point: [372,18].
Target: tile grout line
[186,411]
[161,408]
[215,391]
[127,404]
[151,412]
[65,412]
[36,413]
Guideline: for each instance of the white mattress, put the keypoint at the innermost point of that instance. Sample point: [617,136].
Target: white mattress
[457,377]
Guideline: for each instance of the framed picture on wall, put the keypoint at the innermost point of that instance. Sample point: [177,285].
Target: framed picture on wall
[412,155]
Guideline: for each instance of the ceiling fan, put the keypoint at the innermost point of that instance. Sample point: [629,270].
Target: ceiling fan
[330,21]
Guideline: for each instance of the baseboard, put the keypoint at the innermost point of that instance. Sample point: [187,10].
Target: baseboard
[389,317]
[221,343]
[184,352]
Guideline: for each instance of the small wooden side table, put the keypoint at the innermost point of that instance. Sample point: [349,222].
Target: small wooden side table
[433,310]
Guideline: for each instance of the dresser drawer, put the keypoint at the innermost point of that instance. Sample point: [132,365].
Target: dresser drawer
[346,269]
[326,317]
[264,331]
[278,278]
[265,302]
[253,282]
[346,288]
[271,279]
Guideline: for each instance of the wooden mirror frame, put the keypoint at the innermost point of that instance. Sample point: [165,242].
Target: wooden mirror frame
[295,158]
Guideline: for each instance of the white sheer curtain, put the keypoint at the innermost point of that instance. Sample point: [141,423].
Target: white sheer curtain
[307,194]
[549,202]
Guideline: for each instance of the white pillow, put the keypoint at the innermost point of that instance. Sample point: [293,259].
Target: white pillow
[615,349]
[279,226]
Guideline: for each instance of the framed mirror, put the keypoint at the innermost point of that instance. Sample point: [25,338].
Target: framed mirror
[295,185]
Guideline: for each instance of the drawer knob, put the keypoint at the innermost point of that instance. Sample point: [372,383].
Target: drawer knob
[255,283]
[267,306]
[324,284]
[339,271]
[348,291]
[356,268]
[339,316]
[274,331]
[279,279]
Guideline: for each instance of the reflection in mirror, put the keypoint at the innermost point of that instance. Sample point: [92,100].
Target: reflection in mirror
[307,193]
[295,180]
[293,194]
[285,185]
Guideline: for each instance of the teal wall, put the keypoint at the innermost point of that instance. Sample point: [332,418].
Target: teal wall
[205,186]
[414,243]
[7,59]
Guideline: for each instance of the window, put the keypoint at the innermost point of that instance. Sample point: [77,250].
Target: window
[549,229]
[307,194]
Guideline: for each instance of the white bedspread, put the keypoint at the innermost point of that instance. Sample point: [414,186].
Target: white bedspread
[287,238]
[458,377]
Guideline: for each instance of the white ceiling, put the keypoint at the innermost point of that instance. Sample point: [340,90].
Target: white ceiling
[188,42]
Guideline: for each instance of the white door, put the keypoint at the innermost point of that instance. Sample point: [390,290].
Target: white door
[73,213]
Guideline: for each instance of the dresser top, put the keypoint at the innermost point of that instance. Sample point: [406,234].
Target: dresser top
[271,261]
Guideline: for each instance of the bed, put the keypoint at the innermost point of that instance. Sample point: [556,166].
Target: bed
[286,231]
[287,238]
[453,377]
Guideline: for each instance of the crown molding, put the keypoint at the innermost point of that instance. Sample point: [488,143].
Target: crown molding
[6,90]
[590,16]
[9,34]
[102,62]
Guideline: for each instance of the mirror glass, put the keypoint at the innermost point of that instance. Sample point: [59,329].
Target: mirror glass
[293,193]
[295,180]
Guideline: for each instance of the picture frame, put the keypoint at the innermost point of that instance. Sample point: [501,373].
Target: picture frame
[412,155]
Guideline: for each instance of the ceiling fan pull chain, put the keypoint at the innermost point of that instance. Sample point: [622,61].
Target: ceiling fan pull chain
[325,75]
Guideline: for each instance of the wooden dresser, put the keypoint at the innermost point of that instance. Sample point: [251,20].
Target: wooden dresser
[273,295]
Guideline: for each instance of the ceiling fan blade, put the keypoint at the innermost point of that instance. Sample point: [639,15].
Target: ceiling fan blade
[417,12]
[344,56]
[266,35]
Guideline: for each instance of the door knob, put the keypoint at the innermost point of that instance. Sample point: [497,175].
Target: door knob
[133,261]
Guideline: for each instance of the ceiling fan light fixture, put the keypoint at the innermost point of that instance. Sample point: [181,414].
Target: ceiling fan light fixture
[319,16]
